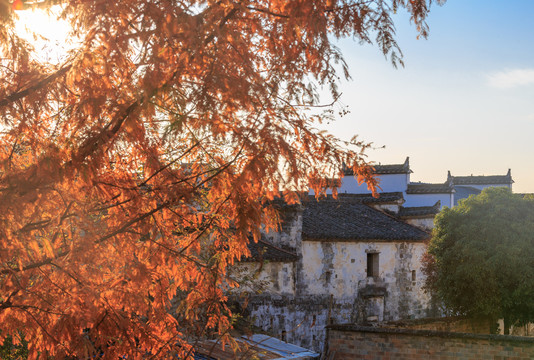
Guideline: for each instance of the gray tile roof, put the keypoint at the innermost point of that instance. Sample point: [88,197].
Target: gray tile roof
[385,197]
[263,250]
[482,179]
[419,211]
[424,188]
[330,219]
[387,169]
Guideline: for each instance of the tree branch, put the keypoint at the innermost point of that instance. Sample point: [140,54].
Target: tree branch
[41,83]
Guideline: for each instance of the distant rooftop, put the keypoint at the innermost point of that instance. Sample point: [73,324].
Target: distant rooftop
[385,197]
[419,211]
[424,188]
[387,169]
[482,179]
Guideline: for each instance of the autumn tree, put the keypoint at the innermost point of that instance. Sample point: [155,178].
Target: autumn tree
[482,255]
[133,172]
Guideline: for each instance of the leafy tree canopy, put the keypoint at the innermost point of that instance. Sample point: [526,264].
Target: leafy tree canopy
[483,257]
[133,173]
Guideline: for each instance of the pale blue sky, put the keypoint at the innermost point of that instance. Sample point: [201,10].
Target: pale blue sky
[464,101]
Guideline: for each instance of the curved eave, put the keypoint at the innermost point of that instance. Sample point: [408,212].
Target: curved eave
[326,239]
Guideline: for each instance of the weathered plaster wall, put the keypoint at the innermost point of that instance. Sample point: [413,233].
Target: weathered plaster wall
[277,278]
[340,269]
[332,283]
[422,223]
[394,208]
[405,284]
[289,236]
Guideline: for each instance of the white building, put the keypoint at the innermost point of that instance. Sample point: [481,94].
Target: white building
[350,260]
[355,259]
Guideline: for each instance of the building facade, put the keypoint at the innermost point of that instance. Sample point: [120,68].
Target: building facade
[355,259]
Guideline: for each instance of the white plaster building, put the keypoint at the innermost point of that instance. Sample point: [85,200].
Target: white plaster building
[465,186]
[355,260]
[350,260]
[396,178]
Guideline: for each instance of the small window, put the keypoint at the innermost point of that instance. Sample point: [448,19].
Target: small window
[372,265]
[413,275]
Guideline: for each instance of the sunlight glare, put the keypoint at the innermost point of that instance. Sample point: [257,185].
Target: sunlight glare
[46,32]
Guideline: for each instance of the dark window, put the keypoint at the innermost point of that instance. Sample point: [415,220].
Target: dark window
[372,265]
[413,275]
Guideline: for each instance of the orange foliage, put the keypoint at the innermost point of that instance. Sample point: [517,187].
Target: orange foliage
[133,175]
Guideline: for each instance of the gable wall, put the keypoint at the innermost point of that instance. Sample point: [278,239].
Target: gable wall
[422,223]
[289,236]
[388,183]
[413,200]
[484,186]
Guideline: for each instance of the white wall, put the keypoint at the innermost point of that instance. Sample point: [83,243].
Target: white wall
[422,223]
[413,200]
[340,269]
[388,183]
[482,187]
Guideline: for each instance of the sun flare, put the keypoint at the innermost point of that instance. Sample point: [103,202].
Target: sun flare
[47,33]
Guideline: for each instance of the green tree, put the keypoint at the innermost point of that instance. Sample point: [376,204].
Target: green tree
[14,349]
[481,259]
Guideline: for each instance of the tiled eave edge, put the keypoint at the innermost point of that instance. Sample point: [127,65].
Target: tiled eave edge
[431,333]
[304,238]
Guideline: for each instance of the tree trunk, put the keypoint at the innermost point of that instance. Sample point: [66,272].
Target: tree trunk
[507,325]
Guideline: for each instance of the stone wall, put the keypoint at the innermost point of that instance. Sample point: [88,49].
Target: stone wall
[458,324]
[272,277]
[299,320]
[356,342]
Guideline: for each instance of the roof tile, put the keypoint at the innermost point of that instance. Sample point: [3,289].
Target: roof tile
[387,169]
[416,211]
[424,188]
[329,219]
[263,250]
